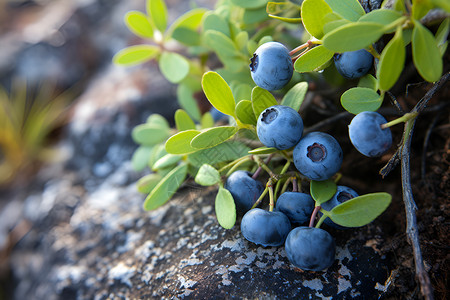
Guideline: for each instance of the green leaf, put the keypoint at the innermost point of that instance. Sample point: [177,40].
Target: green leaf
[207,120]
[167,160]
[426,55]
[443,4]
[225,208]
[353,36]
[215,22]
[359,99]
[158,120]
[244,112]
[190,20]
[295,96]
[180,143]
[322,191]
[134,55]
[147,183]
[166,188]
[207,175]
[263,150]
[348,9]
[442,35]
[249,3]
[187,36]
[382,16]
[261,99]
[187,102]
[213,136]
[391,62]
[183,121]
[220,43]
[241,91]
[224,152]
[420,8]
[257,15]
[140,158]
[138,23]
[313,59]
[218,93]
[360,211]
[330,26]
[313,14]
[150,134]
[241,40]
[287,20]
[368,81]
[157,152]
[157,10]
[173,66]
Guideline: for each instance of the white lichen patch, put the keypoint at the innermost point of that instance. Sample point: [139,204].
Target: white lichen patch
[343,285]
[123,273]
[132,237]
[342,253]
[314,284]
[186,283]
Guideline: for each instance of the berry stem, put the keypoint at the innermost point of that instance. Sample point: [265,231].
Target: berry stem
[322,218]
[405,118]
[264,166]
[271,198]
[294,184]
[237,164]
[231,164]
[285,185]
[309,43]
[260,198]
[313,216]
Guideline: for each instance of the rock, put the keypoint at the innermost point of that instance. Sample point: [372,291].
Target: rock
[100,244]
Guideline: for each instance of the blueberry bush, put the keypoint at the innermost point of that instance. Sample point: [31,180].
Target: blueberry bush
[255,148]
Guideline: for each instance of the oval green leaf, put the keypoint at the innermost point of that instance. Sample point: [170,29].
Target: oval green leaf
[134,55]
[183,121]
[191,20]
[348,9]
[426,54]
[295,96]
[180,143]
[420,8]
[225,208]
[359,99]
[207,120]
[187,36]
[157,10]
[139,24]
[382,16]
[313,59]
[263,150]
[173,66]
[368,81]
[244,112]
[207,175]
[213,136]
[149,134]
[165,189]
[353,36]
[218,93]
[147,183]
[157,152]
[391,62]
[166,161]
[250,3]
[322,191]
[224,152]
[187,102]
[140,158]
[313,14]
[213,21]
[361,210]
[158,120]
[261,99]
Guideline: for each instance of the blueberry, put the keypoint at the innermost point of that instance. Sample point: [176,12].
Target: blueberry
[318,156]
[298,207]
[280,127]
[310,248]
[244,189]
[266,228]
[367,136]
[271,66]
[342,194]
[353,64]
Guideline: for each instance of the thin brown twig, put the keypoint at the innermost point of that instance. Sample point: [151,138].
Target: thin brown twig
[408,199]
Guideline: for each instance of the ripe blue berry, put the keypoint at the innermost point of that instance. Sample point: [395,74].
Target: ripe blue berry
[266,228]
[318,156]
[271,66]
[353,64]
[342,194]
[310,248]
[298,207]
[244,189]
[367,136]
[280,127]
